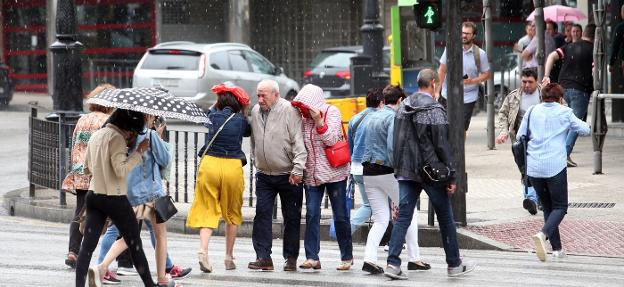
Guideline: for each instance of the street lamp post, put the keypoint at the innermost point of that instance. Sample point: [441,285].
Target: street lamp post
[489,46]
[67,65]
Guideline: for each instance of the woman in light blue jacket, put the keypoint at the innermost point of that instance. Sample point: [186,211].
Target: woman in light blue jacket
[548,124]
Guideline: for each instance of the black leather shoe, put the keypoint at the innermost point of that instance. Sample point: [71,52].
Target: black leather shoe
[261,264]
[372,268]
[530,206]
[418,266]
[290,264]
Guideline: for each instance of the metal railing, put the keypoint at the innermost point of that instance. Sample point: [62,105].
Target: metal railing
[599,126]
[49,153]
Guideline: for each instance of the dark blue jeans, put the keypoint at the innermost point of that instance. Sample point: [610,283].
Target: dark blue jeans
[553,193]
[578,101]
[409,191]
[337,192]
[267,188]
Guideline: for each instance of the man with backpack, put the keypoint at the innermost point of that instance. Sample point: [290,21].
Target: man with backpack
[476,70]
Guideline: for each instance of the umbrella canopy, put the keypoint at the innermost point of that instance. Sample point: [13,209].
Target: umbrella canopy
[560,13]
[150,101]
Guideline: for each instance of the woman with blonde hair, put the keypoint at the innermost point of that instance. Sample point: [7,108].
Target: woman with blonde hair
[220,182]
[76,182]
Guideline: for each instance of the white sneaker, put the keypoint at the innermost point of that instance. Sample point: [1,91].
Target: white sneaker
[559,254]
[387,247]
[540,245]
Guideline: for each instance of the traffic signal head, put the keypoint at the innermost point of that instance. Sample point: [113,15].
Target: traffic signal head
[427,14]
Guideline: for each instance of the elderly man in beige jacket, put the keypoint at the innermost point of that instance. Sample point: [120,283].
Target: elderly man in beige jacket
[280,157]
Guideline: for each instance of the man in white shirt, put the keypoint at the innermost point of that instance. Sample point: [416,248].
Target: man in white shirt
[476,70]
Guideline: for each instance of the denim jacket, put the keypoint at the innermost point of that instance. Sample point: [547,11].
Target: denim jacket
[228,143]
[144,181]
[379,132]
[357,137]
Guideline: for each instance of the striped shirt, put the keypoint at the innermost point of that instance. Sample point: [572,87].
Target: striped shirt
[550,123]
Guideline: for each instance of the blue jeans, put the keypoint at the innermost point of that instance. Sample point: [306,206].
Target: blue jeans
[578,101]
[112,234]
[364,212]
[409,192]
[337,192]
[553,193]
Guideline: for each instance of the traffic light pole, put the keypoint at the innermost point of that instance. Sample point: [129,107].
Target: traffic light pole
[489,47]
[455,92]
[539,27]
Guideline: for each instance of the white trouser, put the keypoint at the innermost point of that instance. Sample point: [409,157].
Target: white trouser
[378,189]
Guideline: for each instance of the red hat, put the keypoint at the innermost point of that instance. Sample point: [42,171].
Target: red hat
[238,92]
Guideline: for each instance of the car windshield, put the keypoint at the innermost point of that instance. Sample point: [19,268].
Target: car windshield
[171,62]
[332,59]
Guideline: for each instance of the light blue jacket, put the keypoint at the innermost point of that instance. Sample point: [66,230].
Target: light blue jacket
[379,137]
[549,125]
[144,181]
[356,138]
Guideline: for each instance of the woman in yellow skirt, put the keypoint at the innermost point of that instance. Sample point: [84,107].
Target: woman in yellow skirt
[220,182]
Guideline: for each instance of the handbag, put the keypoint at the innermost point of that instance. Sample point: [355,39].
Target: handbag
[339,153]
[437,172]
[165,208]
[519,150]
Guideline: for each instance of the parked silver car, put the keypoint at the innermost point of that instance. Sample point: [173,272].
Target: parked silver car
[190,69]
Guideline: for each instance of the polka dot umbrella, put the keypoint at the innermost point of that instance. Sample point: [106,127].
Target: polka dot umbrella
[152,101]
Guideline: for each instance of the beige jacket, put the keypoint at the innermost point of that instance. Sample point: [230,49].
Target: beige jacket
[277,144]
[107,161]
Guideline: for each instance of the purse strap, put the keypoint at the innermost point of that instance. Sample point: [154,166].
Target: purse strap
[216,134]
[344,134]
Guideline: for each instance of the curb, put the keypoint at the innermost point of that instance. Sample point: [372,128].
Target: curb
[428,236]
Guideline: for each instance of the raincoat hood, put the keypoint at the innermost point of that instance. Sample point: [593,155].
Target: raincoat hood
[312,96]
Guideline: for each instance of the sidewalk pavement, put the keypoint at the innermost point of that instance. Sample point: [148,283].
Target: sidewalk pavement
[496,219]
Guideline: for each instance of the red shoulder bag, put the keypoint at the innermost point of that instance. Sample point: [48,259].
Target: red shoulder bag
[338,154]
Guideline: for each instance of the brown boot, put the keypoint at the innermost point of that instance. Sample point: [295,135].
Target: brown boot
[290,264]
[261,264]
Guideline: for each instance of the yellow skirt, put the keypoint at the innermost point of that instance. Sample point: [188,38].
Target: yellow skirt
[218,193]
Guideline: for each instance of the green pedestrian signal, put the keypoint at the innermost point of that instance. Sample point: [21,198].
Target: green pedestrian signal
[427,13]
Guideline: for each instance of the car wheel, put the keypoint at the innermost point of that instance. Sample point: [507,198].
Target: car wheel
[291,95]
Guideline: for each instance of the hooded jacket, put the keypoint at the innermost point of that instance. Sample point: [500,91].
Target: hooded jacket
[420,137]
[318,170]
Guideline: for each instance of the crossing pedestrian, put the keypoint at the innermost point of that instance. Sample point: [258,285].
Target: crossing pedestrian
[144,187]
[476,69]
[356,137]
[575,78]
[378,169]
[76,181]
[321,128]
[420,143]
[510,116]
[108,163]
[548,124]
[280,157]
[220,182]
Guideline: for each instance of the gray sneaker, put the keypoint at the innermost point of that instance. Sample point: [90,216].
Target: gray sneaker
[395,272]
[126,271]
[461,269]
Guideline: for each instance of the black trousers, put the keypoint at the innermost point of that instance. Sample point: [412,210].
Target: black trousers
[75,237]
[267,188]
[118,209]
